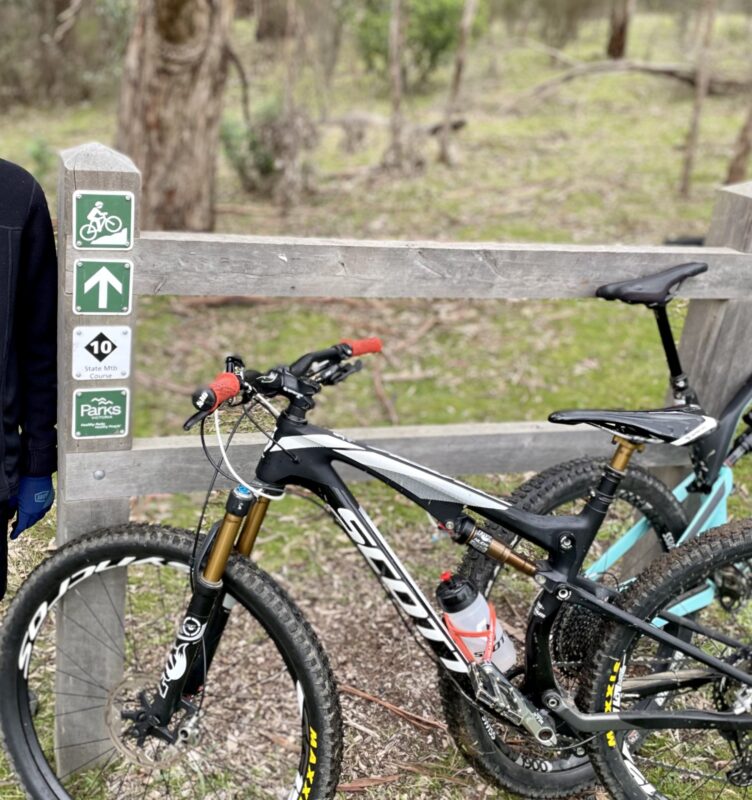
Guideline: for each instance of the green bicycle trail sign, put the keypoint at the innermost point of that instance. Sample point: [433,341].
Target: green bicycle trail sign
[100,413]
[102,287]
[103,220]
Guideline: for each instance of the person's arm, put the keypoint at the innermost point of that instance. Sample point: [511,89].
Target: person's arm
[36,339]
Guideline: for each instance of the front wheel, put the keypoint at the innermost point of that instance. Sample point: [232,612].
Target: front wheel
[682,762]
[85,642]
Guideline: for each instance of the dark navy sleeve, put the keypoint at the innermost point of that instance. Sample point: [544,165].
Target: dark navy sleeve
[36,329]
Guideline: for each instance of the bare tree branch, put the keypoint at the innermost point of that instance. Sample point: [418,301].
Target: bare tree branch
[737,170]
[466,24]
[424,723]
[687,74]
[66,20]
[701,90]
[395,154]
[245,104]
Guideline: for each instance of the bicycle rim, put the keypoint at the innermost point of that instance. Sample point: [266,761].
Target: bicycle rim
[249,732]
[680,763]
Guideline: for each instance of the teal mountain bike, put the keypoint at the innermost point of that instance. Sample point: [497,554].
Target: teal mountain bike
[645,519]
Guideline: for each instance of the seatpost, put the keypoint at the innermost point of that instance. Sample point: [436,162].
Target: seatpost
[603,495]
[680,388]
[624,452]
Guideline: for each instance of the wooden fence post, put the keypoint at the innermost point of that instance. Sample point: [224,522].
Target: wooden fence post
[714,347]
[98,197]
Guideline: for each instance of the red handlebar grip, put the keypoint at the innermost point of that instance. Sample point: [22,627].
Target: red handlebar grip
[361,347]
[225,386]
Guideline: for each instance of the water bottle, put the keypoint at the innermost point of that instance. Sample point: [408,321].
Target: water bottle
[466,611]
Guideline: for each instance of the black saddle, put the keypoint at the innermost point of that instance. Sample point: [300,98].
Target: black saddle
[675,425]
[651,290]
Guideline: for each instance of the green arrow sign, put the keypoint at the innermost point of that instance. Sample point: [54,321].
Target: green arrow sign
[100,413]
[103,220]
[102,287]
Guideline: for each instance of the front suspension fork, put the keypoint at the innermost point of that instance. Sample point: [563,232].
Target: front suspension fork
[209,608]
[224,603]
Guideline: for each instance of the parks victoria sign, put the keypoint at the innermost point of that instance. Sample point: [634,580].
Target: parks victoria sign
[103,220]
[102,287]
[100,413]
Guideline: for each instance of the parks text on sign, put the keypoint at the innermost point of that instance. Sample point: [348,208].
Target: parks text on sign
[100,413]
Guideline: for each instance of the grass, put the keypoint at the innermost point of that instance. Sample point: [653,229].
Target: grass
[598,161]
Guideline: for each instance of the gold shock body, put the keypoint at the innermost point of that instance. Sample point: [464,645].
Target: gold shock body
[624,452]
[505,555]
[252,526]
[223,544]
[228,535]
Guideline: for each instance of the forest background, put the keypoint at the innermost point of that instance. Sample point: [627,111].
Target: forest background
[593,121]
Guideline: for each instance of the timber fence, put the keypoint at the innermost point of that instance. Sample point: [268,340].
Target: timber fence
[107,263]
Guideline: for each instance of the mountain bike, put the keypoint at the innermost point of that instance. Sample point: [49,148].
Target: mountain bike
[225,691]
[615,555]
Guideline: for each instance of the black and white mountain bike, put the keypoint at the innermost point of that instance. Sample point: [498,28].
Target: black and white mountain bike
[226,692]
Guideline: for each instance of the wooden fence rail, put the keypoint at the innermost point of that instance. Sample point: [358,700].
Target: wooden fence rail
[222,264]
[100,461]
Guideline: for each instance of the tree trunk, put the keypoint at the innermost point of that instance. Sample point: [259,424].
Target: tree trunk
[170,106]
[701,90]
[466,25]
[57,50]
[244,9]
[395,154]
[737,171]
[271,19]
[621,16]
[290,185]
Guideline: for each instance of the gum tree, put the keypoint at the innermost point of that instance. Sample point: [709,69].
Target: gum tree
[171,94]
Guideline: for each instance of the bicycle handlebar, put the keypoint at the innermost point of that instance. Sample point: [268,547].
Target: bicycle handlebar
[361,347]
[320,367]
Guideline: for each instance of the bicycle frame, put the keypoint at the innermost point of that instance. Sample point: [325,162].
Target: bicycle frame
[302,454]
[709,457]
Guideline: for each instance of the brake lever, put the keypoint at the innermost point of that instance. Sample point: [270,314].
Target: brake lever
[339,372]
[197,417]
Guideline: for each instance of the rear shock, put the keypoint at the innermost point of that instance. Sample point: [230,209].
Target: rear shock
[742,444]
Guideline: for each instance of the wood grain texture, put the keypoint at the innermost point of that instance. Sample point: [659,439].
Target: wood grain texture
[80,657]
[451,449]
[214,264]
[714,346]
